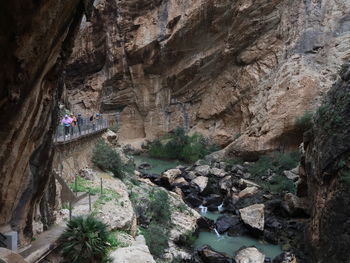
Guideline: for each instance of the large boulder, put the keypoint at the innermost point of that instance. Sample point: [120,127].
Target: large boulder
[9,256]
[117,210]
[202,170]
[171,175]
[205,223]
[225,222]
[208,255]
[253,216]
[201,182]
[291,176]
[225,183]
[213,200]
[296,206]
[248,191]
[138,252]
[249,255]
[218,172]
[193,200]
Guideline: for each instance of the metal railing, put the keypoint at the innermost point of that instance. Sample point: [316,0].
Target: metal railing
[2,242]
[65,134]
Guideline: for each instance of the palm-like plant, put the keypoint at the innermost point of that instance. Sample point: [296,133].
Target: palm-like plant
[85,240]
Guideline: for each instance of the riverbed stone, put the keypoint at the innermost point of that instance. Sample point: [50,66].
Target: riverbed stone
[201,181]
[218,172]
[171,175]
[193,200]
[202,170]
[247,183]
[249,255]
[296,206]
[248,191]
[225,183]
[253,216]
[225,222]
[208,255]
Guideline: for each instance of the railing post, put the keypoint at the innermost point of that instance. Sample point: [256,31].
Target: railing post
[101,187]
[70,210]
[76,186]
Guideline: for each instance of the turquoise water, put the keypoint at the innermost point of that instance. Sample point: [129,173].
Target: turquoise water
[211,215]
[158,166]
[229,245]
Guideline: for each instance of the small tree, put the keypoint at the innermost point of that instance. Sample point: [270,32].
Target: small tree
[85,240]
[107,159]
[304,122]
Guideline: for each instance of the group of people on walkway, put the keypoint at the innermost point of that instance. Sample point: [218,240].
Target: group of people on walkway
[71,121]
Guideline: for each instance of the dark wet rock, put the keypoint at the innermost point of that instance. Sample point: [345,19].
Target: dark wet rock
[295,206]
[208,255]
[286,257]
[193,200]
[205,223]
[213,200]
[189,176]
[144,166]
[225,222]
[190,189]
[230,203]
[150,176]
[271,237]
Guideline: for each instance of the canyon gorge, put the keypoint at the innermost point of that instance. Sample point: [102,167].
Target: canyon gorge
[239,72]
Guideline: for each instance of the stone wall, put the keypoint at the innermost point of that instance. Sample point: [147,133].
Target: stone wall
[71,157]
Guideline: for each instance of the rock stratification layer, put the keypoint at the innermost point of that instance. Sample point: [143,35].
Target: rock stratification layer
[238,71]
[35,40]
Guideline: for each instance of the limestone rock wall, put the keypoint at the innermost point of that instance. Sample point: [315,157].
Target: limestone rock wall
[35,40]
[327,180]
[238,71]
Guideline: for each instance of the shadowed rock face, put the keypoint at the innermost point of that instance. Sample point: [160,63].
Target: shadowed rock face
[327,180]
[239,71]
[35,41]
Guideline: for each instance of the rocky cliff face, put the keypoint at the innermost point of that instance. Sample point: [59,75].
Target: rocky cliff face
[36,38]
[239,71]
[328,175]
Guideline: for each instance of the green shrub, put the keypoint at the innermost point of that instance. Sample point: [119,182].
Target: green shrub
[156,149]
[85,240]
[345,178]
[304,122]
[180,146]
[275,163]
[159,207]
[156,238]
[187,239]
[279,184]
[114,241]
[107,159]
[83,185]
